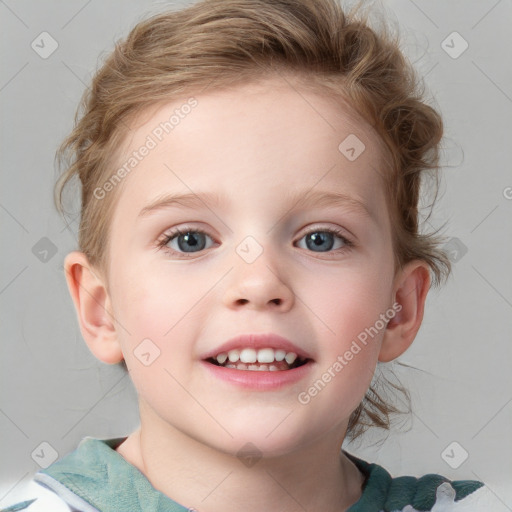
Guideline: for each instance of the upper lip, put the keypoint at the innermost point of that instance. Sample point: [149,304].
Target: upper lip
[257,341]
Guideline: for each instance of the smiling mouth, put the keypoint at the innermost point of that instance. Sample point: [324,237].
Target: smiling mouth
[262,367]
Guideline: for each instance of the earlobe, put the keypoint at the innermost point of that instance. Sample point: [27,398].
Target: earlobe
[92,304]
[411,288]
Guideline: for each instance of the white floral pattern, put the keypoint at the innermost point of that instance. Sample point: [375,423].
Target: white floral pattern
[481,500]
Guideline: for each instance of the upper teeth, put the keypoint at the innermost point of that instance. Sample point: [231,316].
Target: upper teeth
[250,355]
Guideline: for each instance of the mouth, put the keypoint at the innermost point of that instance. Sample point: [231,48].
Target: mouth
[266,360]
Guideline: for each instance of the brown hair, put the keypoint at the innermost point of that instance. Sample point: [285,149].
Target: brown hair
[221,43]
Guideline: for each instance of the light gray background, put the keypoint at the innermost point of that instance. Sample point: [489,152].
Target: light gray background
[55,391]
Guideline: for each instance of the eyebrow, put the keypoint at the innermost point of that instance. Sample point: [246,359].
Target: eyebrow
[303,198]
[190,200]
[329,198]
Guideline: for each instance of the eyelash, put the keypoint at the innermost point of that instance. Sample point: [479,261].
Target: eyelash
[161,245]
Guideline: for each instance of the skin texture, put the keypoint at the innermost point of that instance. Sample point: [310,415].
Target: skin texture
[256,144]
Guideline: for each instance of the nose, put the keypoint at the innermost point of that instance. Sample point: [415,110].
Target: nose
[262,284]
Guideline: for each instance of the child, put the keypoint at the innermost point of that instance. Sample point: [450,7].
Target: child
[255,131]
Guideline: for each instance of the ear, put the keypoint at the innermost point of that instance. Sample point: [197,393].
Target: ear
[410,291]
[93,307]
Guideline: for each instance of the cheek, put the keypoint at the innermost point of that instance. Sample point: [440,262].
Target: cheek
[146,309]
[153,338]
[162,307]
[352,310]
[349,302]
[151,301]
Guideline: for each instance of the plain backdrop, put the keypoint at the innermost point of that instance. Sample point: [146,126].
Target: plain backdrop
[54,391]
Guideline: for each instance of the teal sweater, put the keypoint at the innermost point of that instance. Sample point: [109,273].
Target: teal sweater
[95,478]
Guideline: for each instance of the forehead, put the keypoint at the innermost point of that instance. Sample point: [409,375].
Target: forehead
[230,140]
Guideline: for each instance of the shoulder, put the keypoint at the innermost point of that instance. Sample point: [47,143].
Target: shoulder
[428,493]
[34,497]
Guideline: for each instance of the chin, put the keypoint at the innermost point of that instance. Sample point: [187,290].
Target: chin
[256,443]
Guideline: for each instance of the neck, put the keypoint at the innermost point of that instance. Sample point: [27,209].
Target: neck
[316,477]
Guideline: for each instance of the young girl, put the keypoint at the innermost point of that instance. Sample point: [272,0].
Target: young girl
[219,148]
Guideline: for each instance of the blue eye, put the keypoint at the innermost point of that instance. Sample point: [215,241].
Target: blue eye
[325,239]
[193,238]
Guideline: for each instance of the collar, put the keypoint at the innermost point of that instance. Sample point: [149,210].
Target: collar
[99,475]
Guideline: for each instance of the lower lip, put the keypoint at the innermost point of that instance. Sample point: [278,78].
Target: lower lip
[259,380]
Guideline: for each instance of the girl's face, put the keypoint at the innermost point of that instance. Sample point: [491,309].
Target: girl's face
[267,251]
